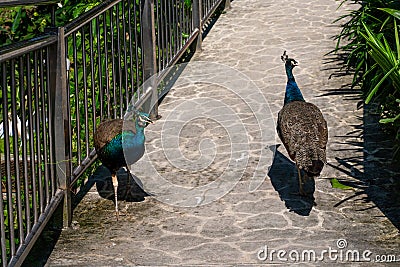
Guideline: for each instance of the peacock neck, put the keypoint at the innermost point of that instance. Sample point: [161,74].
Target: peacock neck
[134,139]
[293,92]
[139,131]
[289,73]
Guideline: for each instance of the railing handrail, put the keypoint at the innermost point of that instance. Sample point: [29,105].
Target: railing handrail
[14,50]
[88,16]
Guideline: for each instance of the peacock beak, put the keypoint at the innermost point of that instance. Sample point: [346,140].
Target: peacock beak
[145,119]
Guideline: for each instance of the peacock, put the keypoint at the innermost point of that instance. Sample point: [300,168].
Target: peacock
[302,129]
[109,138]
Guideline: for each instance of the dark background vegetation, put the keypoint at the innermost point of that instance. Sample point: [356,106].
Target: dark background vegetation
[25,22]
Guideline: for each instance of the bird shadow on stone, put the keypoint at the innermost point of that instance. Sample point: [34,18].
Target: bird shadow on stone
[284,179]
[129,186]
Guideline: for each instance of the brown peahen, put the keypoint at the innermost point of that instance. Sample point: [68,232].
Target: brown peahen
[116,138]
[302,129]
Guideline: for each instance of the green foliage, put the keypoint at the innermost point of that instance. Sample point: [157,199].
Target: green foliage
[21,23]
[385,58]
[25,22]
[188,4]
[370,40]
[395,13]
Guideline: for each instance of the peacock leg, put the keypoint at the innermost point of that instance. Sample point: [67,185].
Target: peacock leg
[301,191]
[115,184]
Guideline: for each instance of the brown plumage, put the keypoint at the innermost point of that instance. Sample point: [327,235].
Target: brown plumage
[109,129]
[304,133]
[302,129]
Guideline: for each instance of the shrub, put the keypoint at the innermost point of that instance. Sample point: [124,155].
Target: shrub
[370,40]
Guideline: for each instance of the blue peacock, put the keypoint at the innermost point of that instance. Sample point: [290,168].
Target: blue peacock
[116,138]
[302,129]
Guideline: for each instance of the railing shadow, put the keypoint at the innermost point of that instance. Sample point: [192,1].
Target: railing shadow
[286,183]
[128,190]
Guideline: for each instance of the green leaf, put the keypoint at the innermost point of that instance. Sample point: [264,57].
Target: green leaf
[384,56]
[390,120]
[375,89]
[188,3]
[394,12]
[17,20]
[336,184]
[396,35]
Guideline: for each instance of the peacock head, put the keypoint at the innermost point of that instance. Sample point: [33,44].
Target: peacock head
[142,119]
[290,63]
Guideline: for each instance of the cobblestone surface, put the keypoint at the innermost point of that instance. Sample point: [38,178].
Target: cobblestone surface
[215,217]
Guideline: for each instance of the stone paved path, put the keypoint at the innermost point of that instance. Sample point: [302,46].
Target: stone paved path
[206,211]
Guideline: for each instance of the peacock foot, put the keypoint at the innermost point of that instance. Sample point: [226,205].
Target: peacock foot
[117,215]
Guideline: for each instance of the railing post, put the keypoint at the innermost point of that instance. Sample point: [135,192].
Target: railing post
[197,22]
[149,56]
[227,4]
[61,121]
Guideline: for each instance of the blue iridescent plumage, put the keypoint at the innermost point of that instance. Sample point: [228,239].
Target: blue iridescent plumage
[293,92]
[119,143]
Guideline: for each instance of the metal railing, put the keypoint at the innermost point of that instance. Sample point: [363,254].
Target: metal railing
[57,87]
[28,184]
